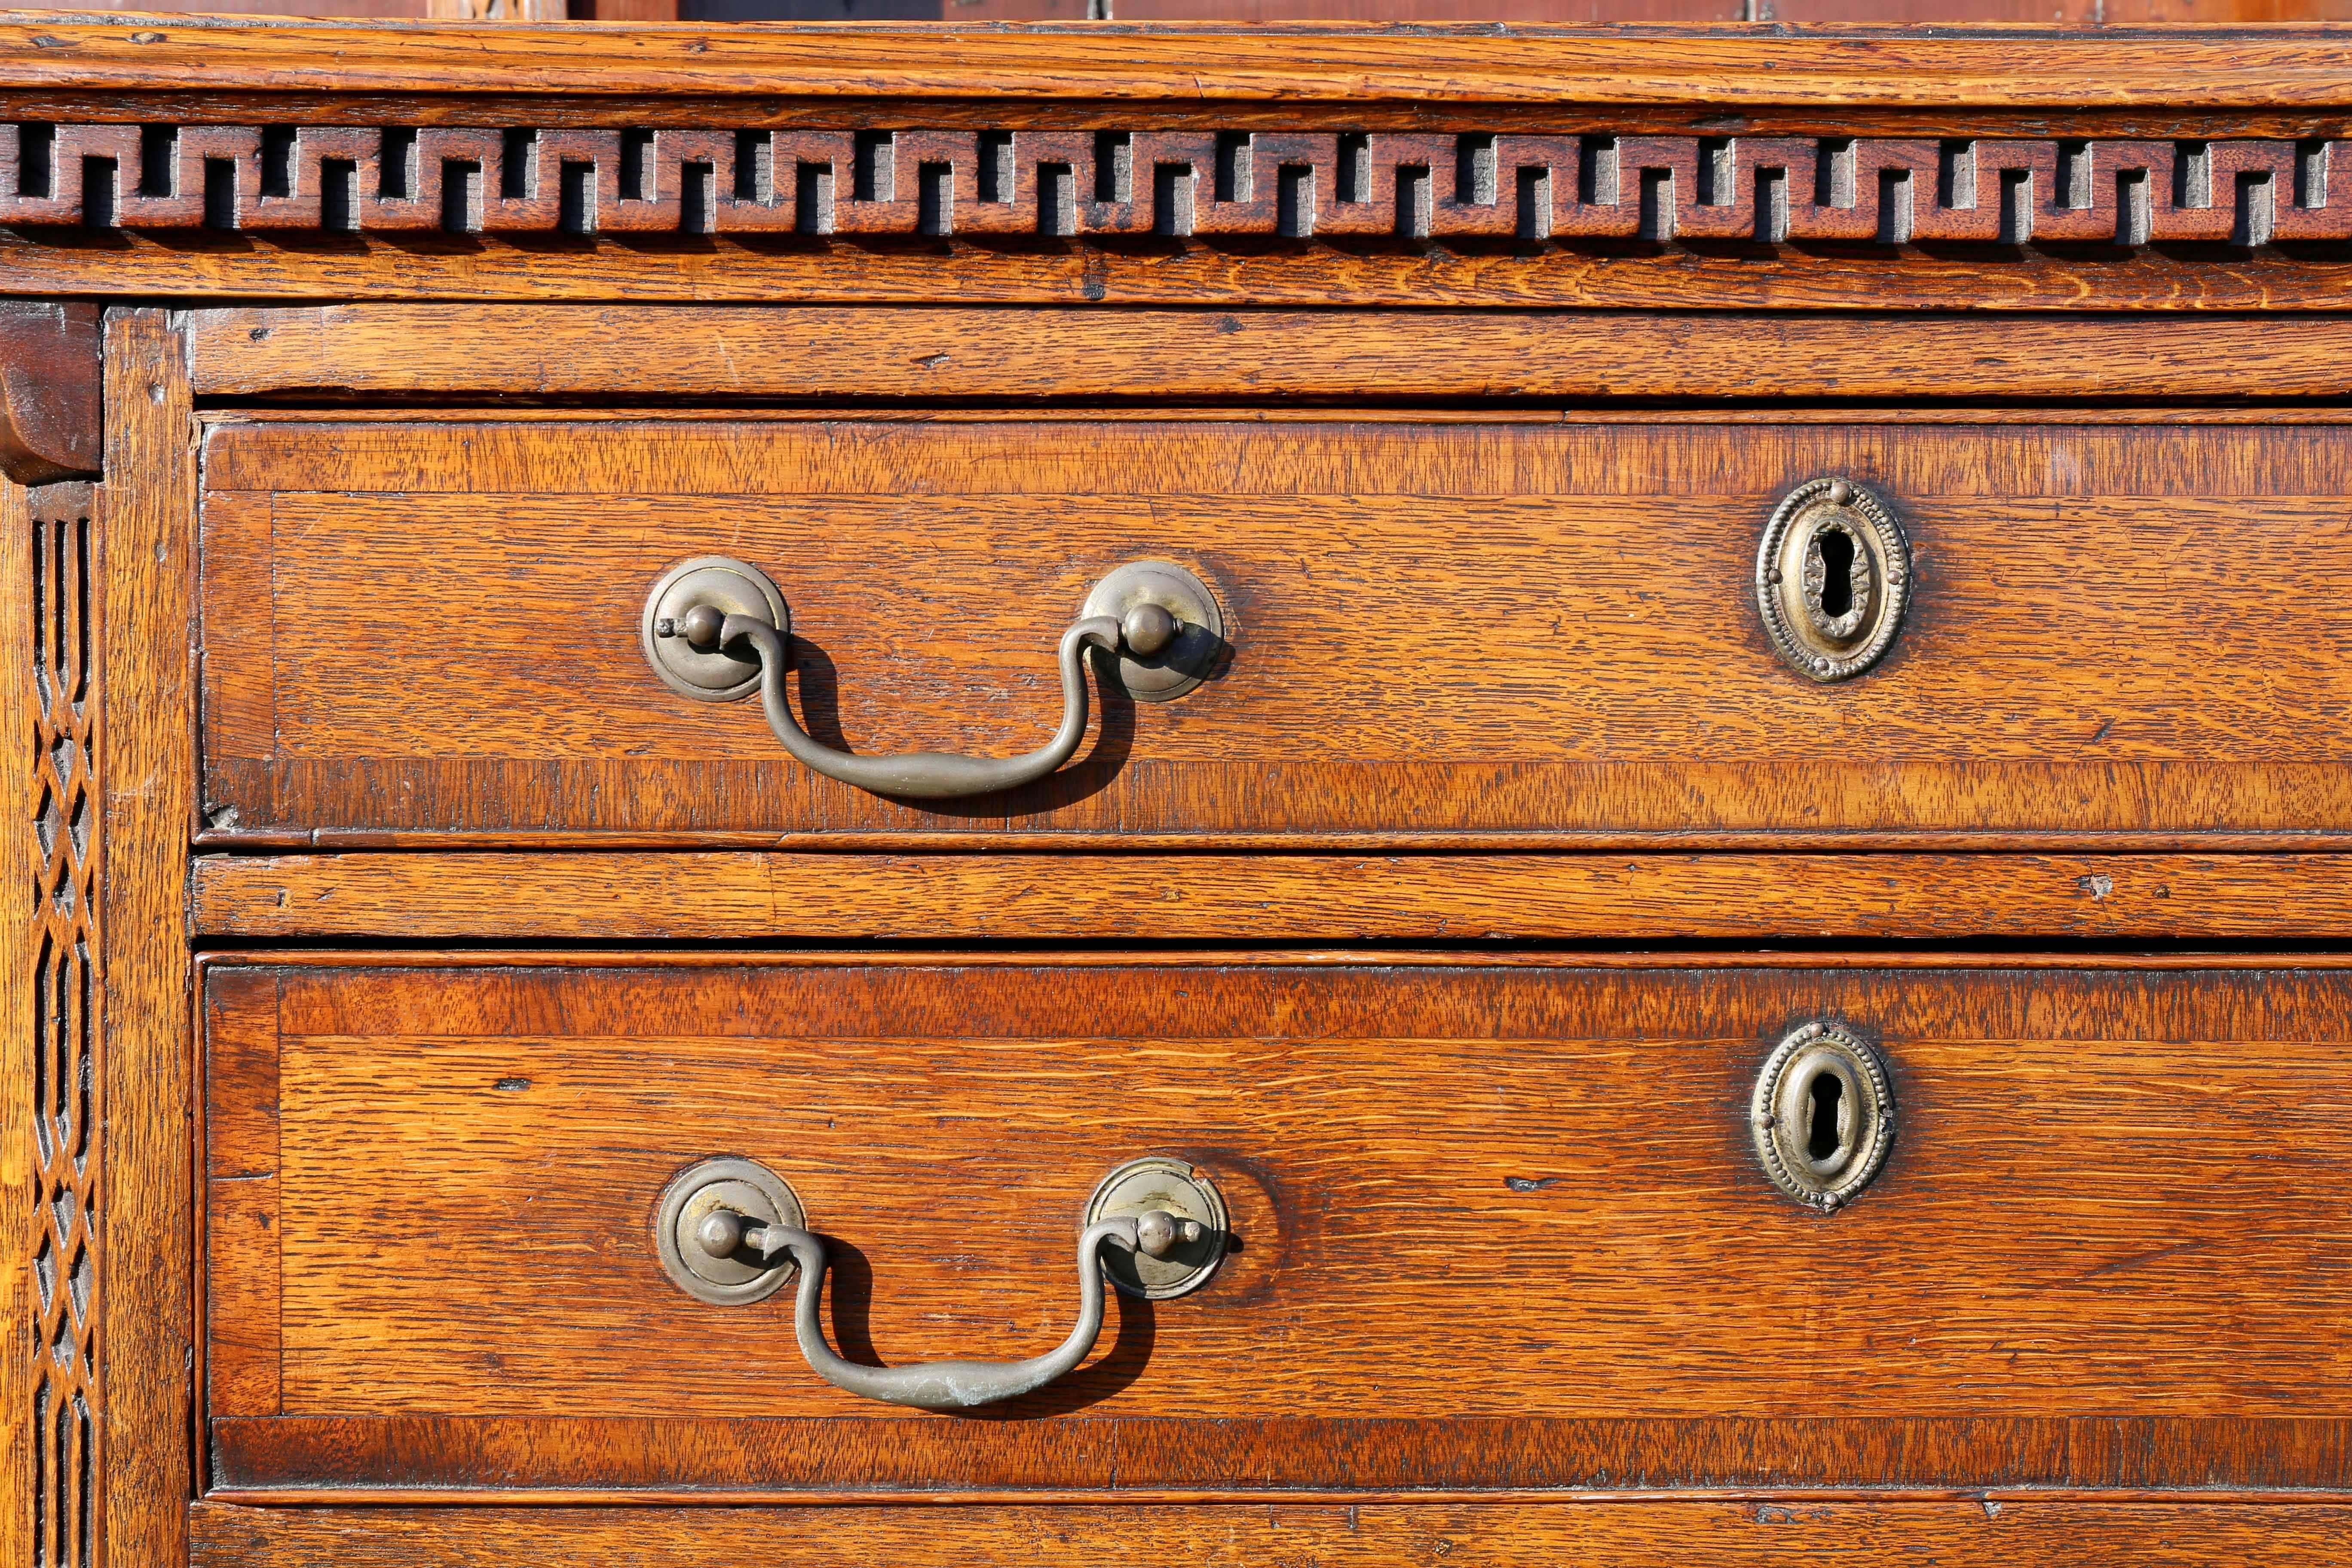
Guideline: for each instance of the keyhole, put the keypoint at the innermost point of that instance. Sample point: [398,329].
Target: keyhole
[1822,1136]
[1836,546]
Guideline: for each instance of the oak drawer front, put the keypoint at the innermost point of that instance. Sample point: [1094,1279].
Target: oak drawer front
[1448,629]
[1496,1224]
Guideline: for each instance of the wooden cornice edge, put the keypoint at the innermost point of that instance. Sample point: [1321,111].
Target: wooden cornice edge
[1728,66]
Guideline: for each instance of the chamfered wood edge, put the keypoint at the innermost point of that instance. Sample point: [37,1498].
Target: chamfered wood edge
[52,400]
[946,899]
[1145,1497]
[236,1207]
[1237,1458]
[148,773]
[1723,65]
[1023,353]
[2014,1532]
[20,869]
[295,840]
[2193,281]
[224,416]
[677,109]
[456,957]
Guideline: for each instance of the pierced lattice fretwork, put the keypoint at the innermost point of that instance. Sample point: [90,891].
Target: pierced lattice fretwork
[67,1009]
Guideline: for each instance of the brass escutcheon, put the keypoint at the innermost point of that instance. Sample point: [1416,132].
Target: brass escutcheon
[1822,1115]
[1832,577]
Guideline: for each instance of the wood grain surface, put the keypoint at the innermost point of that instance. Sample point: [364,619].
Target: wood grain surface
[203,269]
[147,766]
[2008,1532]
[1499,1226]
[945,898]
[51,398]
[1720,67]
[360,352]
[240,1348]
[1481,629]
[514,104]
[21,624]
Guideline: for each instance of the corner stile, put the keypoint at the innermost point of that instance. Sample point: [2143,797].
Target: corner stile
[145,571]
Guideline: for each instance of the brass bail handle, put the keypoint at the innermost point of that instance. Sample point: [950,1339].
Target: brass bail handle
[729,1232]
[962,1384]
[717,629]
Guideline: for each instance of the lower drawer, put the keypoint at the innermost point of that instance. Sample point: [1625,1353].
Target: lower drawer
[1493,1226]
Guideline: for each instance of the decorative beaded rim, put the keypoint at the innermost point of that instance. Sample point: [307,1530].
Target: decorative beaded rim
[1880,532]
[1822,1046]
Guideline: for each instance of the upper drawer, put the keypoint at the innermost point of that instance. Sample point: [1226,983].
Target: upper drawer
[1439,628]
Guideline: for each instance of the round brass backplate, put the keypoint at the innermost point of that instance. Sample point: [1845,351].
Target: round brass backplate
[738,1186]
[1822,1115]
[1181,1188]
[1185,662]
[728,586]
[1832,577]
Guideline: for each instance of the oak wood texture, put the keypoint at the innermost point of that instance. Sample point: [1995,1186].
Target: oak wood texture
[2006,1533]
[240,1163]
[1499,1225]
[51,396]
[486,269]
[2072,12]
[1461,633]
[20,920]
[147,766]
[324,108]
[750,897]
[1722,67]
[363,351]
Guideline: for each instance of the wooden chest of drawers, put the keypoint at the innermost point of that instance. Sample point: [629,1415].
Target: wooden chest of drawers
[1611,756]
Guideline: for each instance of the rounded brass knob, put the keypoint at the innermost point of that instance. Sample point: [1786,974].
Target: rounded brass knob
[1148,629]
[1158,1231]
[701,626]
[1179,1225]
[720,1233]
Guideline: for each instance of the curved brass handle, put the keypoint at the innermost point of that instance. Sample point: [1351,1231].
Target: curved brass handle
[927,775]
[956,1385]
[704,614]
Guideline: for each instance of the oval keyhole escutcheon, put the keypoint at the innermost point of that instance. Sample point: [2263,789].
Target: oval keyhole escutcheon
[1822,1115]
[1832,577]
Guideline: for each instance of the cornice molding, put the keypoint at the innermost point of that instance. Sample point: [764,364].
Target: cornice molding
[1605,167]
[1142,185]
